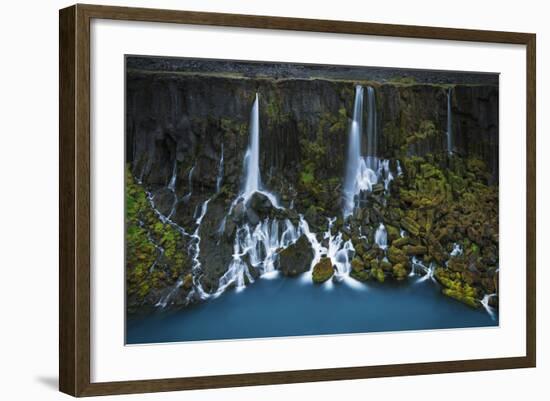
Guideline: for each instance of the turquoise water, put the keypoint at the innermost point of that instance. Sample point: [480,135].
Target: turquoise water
[291,307]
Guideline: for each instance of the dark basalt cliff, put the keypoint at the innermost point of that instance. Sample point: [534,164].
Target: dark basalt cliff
[183,117]
[183,122]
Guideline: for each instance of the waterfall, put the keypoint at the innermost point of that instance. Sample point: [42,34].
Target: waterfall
[252,176]
[363,172]
[163,302]
[449,122]
[428,271]
[381,236]
[488,308]
[337,250]
[457,250]
[253,181]
[219,178]
[172,183]
[372,129]
[399,169]
[194,250]
[354,152]
[260,246]
[190,180]
[172,188]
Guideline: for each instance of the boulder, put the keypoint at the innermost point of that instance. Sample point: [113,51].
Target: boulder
[323,270]
[412,250]
[362,275]
[296,258]
[260,203]
[399,272]
[252,217]
[400,242]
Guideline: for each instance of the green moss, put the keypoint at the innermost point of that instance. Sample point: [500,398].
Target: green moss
[146,267]
[403,80]
[322,271]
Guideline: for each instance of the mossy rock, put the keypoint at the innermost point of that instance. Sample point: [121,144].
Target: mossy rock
[296,258]
[357,265]
[399,272]
[187,281]
[362,276]
[411,226]
[378,274]
[400,242]
[393,232]
[385,266]
[460,296]
[323,270]
[396,255]
[415,250]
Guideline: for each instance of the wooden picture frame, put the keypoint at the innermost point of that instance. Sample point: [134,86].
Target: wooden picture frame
[74,199]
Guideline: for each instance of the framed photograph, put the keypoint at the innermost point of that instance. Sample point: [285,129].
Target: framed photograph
[250,200]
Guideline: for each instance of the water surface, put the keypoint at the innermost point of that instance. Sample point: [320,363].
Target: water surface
[291,307]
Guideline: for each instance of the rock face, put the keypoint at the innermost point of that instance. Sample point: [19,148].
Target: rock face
[296,259]
[186,140]
[173,117]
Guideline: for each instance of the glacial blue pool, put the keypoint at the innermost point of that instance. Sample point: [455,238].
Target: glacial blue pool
[284,306]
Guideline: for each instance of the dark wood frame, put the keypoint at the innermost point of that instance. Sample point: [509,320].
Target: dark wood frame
[74,199]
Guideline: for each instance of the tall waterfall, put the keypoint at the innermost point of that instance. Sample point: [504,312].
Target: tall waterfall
[449,122]
[253,181]
[361,172]
[354,152]
[372,129]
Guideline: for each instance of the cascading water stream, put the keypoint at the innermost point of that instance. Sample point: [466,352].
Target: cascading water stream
[172,188]
[488,308]
[362,173]
[253,181]
[190,180]
[354,159]
[219,178]
[372,130]
[420,268]
[381,237]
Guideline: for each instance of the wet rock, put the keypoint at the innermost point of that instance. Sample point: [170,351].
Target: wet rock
[252,217]
[296,258]
[239,213]
[378,189]
[260,203]
[323,270]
